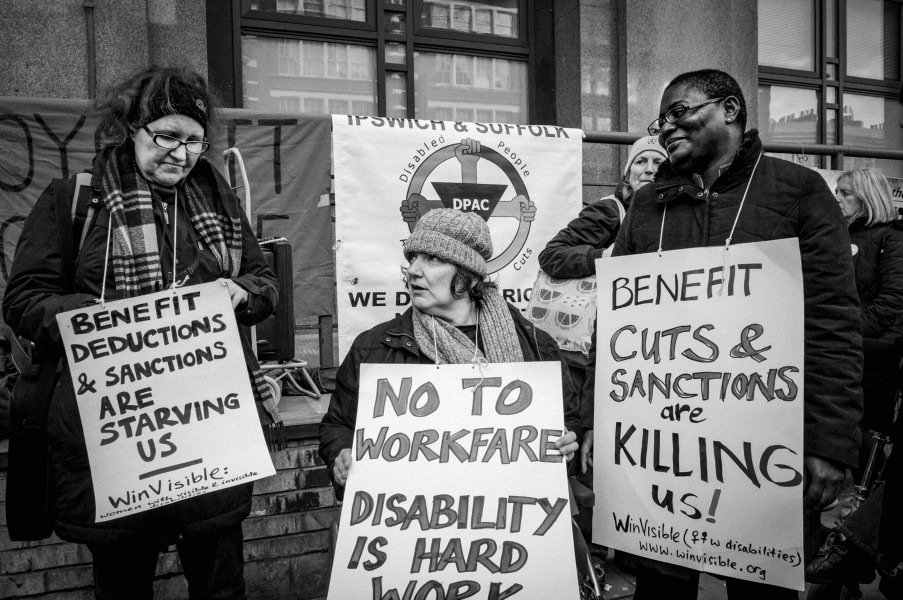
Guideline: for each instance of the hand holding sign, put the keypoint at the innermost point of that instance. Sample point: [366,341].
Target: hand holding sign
[341,466]
[237,294]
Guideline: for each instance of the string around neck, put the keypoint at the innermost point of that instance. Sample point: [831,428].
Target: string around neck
[725,262]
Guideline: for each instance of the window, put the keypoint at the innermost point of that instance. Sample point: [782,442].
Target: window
[493,86]
[326,75]
[830,73]
[416,58]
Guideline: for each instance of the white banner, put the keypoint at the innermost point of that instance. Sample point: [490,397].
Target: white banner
[525,180]
[164,398]
[699,409]
[456,490]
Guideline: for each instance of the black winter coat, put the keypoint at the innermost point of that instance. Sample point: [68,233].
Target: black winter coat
[35,295]
[878,260]
[393,342]
[785,200]
[573,251]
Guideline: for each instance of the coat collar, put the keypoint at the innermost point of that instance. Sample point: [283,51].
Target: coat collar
[670,184]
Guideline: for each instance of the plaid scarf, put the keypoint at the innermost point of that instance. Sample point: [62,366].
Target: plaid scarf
[451,346]
[135,251]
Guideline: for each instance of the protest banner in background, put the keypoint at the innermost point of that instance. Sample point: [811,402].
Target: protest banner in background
[286,159]
[699,409]
[164,398]
[524,180]
[456,489]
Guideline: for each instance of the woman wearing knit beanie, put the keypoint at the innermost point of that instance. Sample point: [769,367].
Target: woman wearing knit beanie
[457,315]
[572,253]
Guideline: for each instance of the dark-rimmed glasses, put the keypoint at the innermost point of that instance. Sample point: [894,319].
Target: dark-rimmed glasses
[167,142]
[674,115]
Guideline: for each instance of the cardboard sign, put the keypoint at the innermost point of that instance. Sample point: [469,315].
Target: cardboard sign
[456,490]
[699,409]
[524,180]
[164,398]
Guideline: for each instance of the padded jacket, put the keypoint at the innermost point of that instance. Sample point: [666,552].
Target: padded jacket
[573,251]
[878,259]
[785,200]
[34,296]
[393,342]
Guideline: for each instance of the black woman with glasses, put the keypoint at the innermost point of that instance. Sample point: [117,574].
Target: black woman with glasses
[165,216]
[718,187]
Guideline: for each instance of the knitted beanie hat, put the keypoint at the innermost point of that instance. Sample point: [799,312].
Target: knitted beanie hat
[647,142]
[461,238]
[178,98]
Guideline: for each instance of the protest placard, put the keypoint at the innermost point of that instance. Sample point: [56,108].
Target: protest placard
[164,398]
[456,490]
[699,409]
[523,180]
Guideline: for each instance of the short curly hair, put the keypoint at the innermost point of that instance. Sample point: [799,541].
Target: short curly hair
[714,84]
[128,105]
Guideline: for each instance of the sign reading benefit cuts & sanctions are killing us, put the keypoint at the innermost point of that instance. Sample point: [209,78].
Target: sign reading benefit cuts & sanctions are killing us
[699,409]
[164,398]
[456,489]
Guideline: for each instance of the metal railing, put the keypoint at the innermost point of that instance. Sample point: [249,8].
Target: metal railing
[835,151]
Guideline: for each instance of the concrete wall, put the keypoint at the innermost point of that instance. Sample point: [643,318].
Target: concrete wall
[607,80]
[46,48]
[587,84]
[665,39]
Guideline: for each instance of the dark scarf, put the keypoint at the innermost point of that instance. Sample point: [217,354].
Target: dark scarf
[135,256]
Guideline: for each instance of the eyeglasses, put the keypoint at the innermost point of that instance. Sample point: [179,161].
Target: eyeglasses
[167,142]
[674,115]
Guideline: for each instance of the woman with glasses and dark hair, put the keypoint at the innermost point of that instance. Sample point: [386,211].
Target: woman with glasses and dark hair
[165,216]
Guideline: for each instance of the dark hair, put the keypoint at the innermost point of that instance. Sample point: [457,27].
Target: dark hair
[465,281]
[714,84]
[130,103]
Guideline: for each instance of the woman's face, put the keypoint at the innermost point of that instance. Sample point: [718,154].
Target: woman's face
[162,166]
[643,169]
[850,205]
[429,283]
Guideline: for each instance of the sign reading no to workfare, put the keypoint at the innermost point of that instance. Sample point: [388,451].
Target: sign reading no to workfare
[456,489]
[164,398]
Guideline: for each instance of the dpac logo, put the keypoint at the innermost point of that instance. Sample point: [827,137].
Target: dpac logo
[485,198]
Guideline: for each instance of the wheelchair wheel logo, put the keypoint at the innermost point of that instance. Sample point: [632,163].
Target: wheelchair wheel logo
[470,195]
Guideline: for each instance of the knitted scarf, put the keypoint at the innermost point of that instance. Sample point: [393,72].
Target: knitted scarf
[135,256]
[451,346]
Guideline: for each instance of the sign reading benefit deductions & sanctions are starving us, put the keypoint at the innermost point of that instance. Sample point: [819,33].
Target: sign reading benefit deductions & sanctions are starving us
[456,489]
[699,409]
[161,384]
[523,180]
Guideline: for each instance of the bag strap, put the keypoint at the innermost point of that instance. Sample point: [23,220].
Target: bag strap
[63,212]
[84,210]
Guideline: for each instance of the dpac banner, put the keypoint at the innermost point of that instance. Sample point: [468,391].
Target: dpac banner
[456,489]
[286,159]
[699,409]
[161,384]
[524,180]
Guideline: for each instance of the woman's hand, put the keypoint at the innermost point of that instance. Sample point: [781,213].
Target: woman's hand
[586,451]
[238,294]
[342,465]
[567,444]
